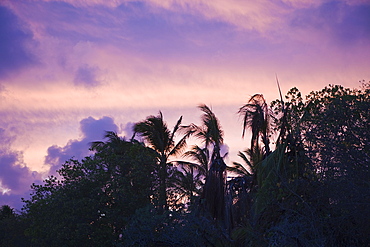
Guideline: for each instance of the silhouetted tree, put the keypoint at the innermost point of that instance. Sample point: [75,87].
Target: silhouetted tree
[211,135]
[12,228]
[309,189]
[255,116]
[337,139]
[91,203]
[158,137]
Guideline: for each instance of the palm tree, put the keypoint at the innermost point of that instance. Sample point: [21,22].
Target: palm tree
[200,156]
[251,159]
[256,117]
[158,137]
[188,181]
[211,134]
[191,174]
[115,143]
[243,185]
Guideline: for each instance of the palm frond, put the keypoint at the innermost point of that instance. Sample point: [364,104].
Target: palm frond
[176,128]
[255,116]
[155,132]
[199,155]
[248,161]
[238,169]
[212,132]
[96,146]
[179,147]
[113,140]
[198,168]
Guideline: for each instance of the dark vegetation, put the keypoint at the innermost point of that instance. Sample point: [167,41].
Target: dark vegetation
[303,181]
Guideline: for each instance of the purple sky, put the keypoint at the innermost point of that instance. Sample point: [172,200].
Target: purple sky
[71,69]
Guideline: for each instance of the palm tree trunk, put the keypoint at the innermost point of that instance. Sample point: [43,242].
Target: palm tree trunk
[162,197]
[214,190]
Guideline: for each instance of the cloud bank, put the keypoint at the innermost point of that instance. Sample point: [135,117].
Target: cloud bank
[14,42]
[91,130]
[15,176]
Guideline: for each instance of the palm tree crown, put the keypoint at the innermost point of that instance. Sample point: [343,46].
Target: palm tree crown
[157,135]
[256,117]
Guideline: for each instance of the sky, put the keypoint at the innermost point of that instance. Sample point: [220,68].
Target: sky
[72,69]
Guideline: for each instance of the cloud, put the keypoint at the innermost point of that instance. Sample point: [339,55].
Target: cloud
[15,176]
[91,130]
[14,39]
[119,19]
[354,25]
[224,150]
[2,89]
[87,76]
[87,3]
[128,129]
[341,22]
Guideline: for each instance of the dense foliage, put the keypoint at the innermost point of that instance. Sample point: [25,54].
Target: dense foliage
[92,201]
[303,181]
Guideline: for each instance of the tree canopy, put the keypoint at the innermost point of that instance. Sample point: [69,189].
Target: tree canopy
[304,180]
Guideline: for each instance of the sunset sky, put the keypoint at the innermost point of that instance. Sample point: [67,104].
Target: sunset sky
[71,69]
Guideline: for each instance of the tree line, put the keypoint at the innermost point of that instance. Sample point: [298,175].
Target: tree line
[304,180]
